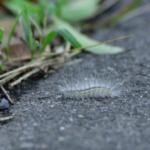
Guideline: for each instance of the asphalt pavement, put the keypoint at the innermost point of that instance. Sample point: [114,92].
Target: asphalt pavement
[106,124]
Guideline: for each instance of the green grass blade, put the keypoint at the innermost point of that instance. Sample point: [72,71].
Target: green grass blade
[47,40]
[24,27]
[1,39]
[86,41]
[122,14]
[65,34]
[11,34]
[1,66]
[1,35]
[68,37]
[30,37]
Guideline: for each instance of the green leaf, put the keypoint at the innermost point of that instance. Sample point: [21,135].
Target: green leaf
[62,2]
[65,34]
[76,10]
[86,41]
[59,5]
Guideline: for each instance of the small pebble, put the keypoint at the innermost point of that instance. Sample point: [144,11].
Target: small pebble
[62,128]
[80,116]
[61,138]
[4,104]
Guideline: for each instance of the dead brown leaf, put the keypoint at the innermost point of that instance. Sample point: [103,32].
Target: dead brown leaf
[16,51]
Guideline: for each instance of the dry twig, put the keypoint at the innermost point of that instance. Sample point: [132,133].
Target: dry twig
[5,92]
[41,62]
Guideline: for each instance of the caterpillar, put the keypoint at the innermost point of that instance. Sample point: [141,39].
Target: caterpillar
[86,83]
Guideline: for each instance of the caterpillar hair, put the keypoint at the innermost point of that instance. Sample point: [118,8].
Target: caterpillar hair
[86,83]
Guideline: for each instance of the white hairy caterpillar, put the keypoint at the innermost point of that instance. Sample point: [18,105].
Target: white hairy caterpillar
[86,83]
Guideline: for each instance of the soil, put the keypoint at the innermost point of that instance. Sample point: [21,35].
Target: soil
[107,124]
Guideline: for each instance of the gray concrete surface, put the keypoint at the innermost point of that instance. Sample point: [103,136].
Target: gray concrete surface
[110,124]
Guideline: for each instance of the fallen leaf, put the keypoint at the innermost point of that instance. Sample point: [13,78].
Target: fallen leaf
[16,51]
